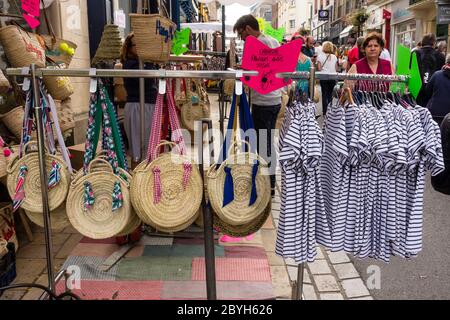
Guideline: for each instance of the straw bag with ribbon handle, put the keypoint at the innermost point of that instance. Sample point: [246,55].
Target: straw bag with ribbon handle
[229,84]
[13,120]
[58,50]
[166,190]
[239,184]
[98,204]
[190,113]
[153,34]
[22,48]
[23,182]
[59,87]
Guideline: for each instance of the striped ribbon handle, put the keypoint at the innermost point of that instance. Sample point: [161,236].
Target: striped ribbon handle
[155,134]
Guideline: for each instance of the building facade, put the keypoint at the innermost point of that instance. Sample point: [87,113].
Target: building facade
[294,15]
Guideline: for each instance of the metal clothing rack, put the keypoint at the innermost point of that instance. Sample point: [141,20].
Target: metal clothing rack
[312,75]
[99,73]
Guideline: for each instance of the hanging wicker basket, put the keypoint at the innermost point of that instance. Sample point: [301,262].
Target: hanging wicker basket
[191,113]
[178,206]
[32,186]
[58,218]
[153,34]
[13,120]
[22,48]
[60,88]
[239,212]
[4,83]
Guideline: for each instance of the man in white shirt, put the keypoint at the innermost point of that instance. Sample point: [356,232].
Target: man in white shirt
[265,107]
[385,54]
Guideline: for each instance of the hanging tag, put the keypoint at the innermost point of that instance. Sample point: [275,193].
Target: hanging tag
[26,81]
[93,83]
[238,82]
[162,82]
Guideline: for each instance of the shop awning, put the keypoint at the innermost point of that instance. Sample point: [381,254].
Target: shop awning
[344,33]
[207,27]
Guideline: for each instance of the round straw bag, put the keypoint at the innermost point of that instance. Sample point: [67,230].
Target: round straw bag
[22,48]
[32,185]
[100,221]
[58,218]
[153,34]
[59,88]
[13,120]
[178,206]
[238,212]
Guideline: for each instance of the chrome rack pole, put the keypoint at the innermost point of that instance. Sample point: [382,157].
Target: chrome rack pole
[142,111]
[44,180]
[211,291]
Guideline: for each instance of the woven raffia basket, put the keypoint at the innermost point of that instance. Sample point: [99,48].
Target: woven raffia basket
[65,116]
[58,218]
[238,212]
[59,88]
[32,186]
[22,48]
[178,207]
[153,34]
[110,44]
[191,113]
[100,221]
[13,120]
[4,83]
[53,51]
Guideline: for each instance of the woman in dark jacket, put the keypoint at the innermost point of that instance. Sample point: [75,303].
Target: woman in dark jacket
[132,124]
[441,182]
[439,89]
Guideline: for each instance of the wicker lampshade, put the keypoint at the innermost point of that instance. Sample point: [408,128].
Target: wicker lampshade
[110,44]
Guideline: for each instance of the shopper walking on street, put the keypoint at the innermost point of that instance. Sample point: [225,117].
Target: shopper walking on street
[265,107]
[356,53]
[430,60]
[442,47]
[308,48]
[327,62]
[438,90]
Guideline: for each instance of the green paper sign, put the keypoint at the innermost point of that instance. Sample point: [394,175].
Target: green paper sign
[415,81]
[402,68]
[277,34]
[262,24]
[181,41]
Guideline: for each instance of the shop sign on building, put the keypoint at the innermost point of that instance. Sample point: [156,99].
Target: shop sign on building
[443,14]
[400,11]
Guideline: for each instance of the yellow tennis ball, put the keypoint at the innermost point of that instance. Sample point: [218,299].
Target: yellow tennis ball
[71,51]
[64,46]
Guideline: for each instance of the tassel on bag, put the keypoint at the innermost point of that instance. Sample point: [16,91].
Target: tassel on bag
[117,198]
[19,196]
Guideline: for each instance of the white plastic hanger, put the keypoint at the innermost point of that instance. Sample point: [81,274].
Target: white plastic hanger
[238,87]
[26,81]
[162,81]
[93,83]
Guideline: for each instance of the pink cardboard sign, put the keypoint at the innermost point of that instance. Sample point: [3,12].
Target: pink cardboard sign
[268,62]
[31,12]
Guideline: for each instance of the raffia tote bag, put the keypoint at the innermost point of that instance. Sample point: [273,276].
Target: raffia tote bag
[191,113]
[229,84]
[153,34]
[60,88]
[4,83]
[166,190]
[239,185]
[22,48]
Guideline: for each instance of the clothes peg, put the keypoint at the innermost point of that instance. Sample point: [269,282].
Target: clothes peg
[162,82]
[238,87]
[93,82]
[26,81]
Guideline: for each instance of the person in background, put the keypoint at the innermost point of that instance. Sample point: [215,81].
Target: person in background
[429,60]
[417,47]
[438,89]
[385,55]
[132,123]
[442,47]
[308,48]
[371,63]
[265,107]
[441,182]
[356,53]
[327,62]
[303,64]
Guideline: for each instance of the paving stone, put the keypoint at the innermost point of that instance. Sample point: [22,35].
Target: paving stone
[70,229]
[73,240]
[280,281]
[57,264]
[308,292]
[293,273]
[320,253]
[362,298]
[58,239]
[338,257]
[319,267]
[35,251]
[355,288]
[35,293]
[269,238]
[346,271]
[275,214]
[331,296]
[326,283]
[28,269]
[274,259]
[13,294]
[290,262]
[275,222]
